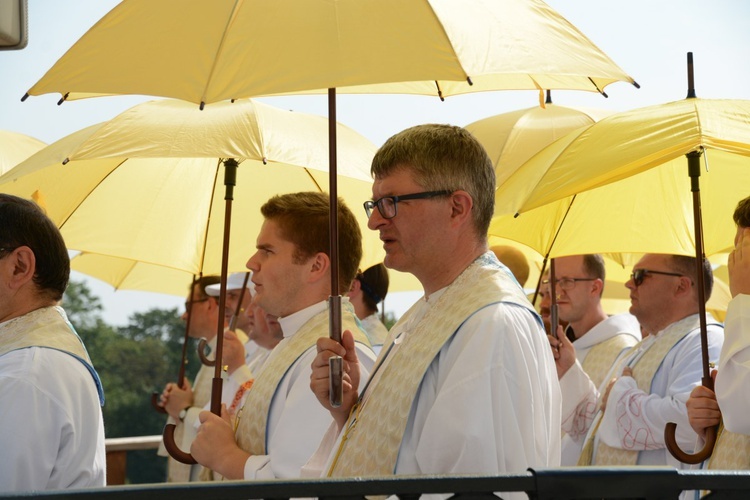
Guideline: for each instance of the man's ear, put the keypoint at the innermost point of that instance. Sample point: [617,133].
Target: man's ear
[684,286]
[22,262]
[461,205]
[318,267]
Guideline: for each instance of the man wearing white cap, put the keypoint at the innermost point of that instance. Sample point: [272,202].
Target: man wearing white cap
[243,323]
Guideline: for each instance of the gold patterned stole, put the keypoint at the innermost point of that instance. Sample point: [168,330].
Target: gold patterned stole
[376,425]
[252,429]
[732,451]
[600,358]
[47,327]
[644,370]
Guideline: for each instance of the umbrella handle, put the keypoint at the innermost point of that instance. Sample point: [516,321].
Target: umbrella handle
[172,448]
[687,458]
[155,403]
[202,345]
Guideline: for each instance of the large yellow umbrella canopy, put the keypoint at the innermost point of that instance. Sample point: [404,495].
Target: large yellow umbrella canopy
[148,184]
[512,138]
[15,147]
[207,51]
[622,184]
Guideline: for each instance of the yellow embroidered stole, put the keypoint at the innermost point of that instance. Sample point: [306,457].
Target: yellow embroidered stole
[600,358]
[732,451]
[376,426]
[251,431]
[47,327]
[644,370]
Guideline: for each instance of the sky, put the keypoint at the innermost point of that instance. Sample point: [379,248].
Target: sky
[649,39]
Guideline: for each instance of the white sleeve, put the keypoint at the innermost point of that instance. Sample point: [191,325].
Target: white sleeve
[635,420]
[579,402]
[489,403]
[732,387]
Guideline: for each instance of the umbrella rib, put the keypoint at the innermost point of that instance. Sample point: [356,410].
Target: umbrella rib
[230,19]
[83,200]
[307,171]
[208,219]
[559,228]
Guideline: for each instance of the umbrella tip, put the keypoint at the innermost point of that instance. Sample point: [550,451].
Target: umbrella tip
[515,216]
[63,98]
[468,79]
[25,96]
[548,100]
[691,81]
[636,84]
[65,161]
[203,105]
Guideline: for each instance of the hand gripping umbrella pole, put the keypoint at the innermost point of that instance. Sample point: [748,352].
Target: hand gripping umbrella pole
[335,363]
[694,170]
[671,427]
[230,180]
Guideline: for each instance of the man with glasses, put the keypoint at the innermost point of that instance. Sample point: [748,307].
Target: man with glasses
[651,382]
[732,450]
[184,404]
[589,345]
[52,434]
[466,383]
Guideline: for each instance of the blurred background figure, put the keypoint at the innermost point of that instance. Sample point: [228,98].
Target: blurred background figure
[243,323]
[515,260]
[369,288]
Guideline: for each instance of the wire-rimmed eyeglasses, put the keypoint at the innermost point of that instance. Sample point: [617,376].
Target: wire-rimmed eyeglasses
[568,283]
[387,204]
[638,275]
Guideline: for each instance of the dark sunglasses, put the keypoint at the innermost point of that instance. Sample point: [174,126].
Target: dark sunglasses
[638,275]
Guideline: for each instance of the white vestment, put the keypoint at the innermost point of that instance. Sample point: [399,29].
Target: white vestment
[619,324]
[732,382]
[635,419]
[53,432]
[489,402]
[296,419]
[376,331]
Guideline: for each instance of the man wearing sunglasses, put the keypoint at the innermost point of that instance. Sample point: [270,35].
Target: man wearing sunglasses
[732,450]
[588,347]
[652,381]
[466,382]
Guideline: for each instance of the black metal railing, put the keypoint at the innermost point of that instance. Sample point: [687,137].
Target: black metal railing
[543,484]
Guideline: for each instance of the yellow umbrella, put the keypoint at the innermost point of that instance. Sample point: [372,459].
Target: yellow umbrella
[206,52]
[210,51]
[147,185]
[15,147]
[512,138]
[613,162]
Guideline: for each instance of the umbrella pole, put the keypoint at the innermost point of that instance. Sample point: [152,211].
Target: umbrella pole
[183,360]
[694,169]
[335,363]
[230,180]
[238,309]
[554,319]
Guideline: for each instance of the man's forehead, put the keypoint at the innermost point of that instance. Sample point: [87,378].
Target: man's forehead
[651,259]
